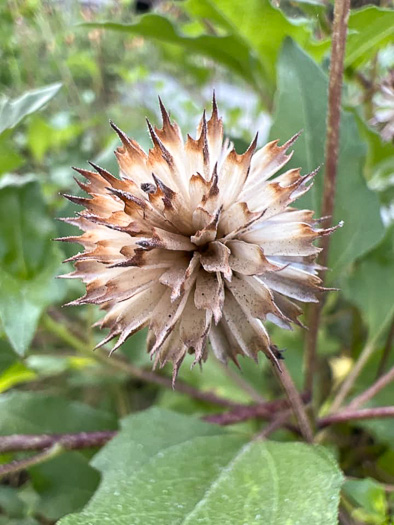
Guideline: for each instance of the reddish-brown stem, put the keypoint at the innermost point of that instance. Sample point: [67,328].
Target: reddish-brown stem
[353,415]
[266,410]
[371,392]
[22,464]
[341,16]
[295,401]
[20,442]
[277,422]
[387,349]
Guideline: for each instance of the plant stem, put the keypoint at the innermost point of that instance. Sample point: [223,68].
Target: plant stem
[341,16]
[120,364]
[276,423]
[266,410]
[19,442]
[295,401]
[240,381]
[352,415]
[353,375]
[22,464]
[387,349]
[371,392]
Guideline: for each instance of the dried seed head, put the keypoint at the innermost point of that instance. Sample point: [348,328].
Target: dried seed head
[197,243]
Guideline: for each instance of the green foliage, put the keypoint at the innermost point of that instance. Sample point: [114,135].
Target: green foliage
[13,111]
[200,474]
[302,105]
[269,66]
[28,259]
[370,28]
[374,297]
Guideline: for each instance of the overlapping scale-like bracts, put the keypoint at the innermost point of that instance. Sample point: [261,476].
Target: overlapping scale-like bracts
[198,243]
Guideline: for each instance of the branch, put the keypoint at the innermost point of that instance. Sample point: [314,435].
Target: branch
[295,401]
[352,415]
[387,349]
[262,411]
[22,464]
[19,442]
[341,16]
[371,392]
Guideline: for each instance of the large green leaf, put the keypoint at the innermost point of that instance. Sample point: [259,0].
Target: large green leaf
[165,468]
[65,484]
[227,50]
[370,29]
[261,26]
[28,259]
[368,285]
[301,104]
[37,413]
[13,111]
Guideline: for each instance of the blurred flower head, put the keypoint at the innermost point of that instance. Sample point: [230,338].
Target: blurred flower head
[383,102]
[198,243]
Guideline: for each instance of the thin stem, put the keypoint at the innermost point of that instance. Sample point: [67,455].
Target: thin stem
[246,387]
[387,349]
[120,364]
[243,413]
[295,401]
[276,423]
[19,442]
[351,378]
[353,415]
[22,464]
[371,392]
[341,16]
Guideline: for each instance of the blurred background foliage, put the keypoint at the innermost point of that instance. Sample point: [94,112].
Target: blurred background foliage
[67,67]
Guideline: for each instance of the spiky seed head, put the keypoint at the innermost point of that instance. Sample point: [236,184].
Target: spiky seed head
[198,243]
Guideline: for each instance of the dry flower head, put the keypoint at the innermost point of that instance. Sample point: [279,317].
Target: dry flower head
[198,243]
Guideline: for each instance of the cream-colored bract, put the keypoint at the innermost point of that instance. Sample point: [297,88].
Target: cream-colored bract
[198,243]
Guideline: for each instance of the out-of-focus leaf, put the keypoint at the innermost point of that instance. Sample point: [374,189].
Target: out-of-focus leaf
[368,285]
[28,259]
[10,502]
[370,496]
[5,520]
[43,136]
[261,26]
[302,105]
[226,50]
[13,111]
[10,159]
[65,484]
[36,413]
[370,28]
[16,374]
[165,468]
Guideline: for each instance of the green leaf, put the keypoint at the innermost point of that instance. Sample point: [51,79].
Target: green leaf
[13,111]
[370,496]
[301,104]
[367,285]
[65,484]
[36,413]
[29,259]
[14,375]
[261,26]
[226,50]
[165,468]
[370,29]
[10,159]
